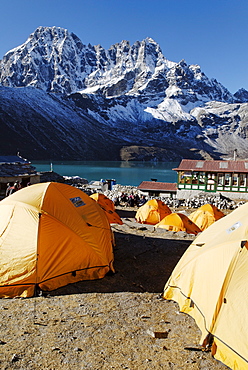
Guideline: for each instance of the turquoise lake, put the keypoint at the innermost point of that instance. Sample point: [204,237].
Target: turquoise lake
[125,173]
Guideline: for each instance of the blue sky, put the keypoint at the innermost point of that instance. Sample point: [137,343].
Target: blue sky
[211,33]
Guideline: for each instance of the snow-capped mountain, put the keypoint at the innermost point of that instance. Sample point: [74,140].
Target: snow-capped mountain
[132,94]
[57,61]
[241,96]
[45,126]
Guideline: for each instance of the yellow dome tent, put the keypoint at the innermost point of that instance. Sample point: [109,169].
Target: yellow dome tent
[178,222]
[51,235]
[205,216]
[152,212]
[210,284]
[213,209]
[108,206]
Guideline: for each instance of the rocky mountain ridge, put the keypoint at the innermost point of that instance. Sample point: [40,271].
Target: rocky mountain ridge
[129,96]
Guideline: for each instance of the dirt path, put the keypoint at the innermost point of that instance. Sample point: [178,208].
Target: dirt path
[109,323]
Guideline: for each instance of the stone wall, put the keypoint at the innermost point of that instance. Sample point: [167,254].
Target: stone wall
[188,194]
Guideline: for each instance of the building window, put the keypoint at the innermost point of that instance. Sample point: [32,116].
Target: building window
[242,180]
[227,179]
[220,179]
[235,179]
[202,178]
[181,177]
[195,178]
[187,177]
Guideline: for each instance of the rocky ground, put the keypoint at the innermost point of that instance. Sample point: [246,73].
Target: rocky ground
[119,322]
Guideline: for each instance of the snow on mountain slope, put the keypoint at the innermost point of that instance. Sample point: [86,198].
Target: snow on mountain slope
[126,95]
[45,126]
[54,59]
[225,126]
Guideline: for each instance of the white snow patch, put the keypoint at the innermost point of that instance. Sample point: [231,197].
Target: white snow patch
[89,90]
[169,110]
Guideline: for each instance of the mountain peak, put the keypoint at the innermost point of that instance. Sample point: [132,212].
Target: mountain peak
[241,95]
[150,40]
[56,60]
[53,32]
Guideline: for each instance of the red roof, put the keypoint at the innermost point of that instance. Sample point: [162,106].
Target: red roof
[212,166]
[158,186]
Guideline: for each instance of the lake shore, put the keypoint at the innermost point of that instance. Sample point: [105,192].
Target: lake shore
[118,322]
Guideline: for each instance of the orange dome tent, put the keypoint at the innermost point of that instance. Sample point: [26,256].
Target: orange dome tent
[152,212]
[103,201]
[108,206]
[178,222]
[51,234]
[205,216]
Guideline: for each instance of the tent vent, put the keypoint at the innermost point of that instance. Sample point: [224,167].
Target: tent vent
[243,243]
[208,341]
[192,304]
